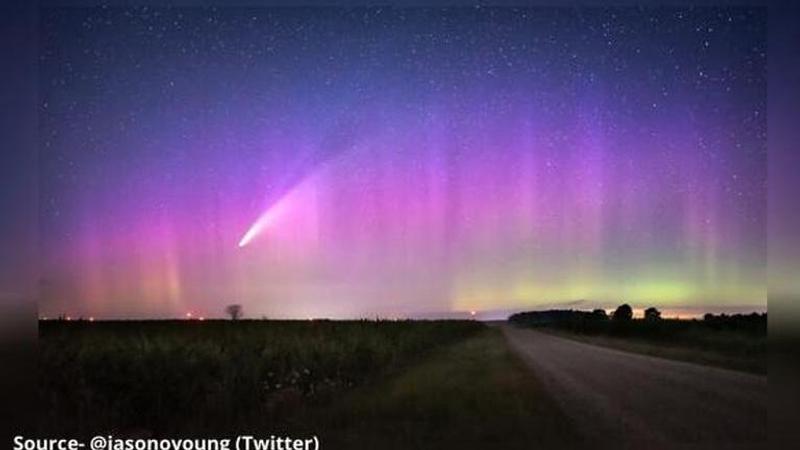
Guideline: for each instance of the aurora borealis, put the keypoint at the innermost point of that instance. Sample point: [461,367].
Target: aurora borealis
[401,162]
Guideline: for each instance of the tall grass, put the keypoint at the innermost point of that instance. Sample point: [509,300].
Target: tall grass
[166,377]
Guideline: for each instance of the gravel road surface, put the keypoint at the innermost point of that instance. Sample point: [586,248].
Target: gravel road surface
[618,399]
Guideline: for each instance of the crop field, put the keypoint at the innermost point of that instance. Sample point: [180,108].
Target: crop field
[205,377]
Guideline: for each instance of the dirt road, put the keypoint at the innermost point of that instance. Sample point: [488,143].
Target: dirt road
[624,400]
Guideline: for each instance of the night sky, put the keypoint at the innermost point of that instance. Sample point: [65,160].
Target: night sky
[401,162]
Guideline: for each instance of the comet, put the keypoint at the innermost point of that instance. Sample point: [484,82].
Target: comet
[299,201]
[265,220]
[259,225]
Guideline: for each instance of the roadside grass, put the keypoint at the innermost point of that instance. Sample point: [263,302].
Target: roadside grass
[745,361]
[473,394]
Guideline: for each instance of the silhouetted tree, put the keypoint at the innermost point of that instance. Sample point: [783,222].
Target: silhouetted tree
[623,312]
[652,313]
[599,314]
[235,311]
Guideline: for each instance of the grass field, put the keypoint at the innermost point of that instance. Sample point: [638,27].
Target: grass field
[737,342]
[436,384]
[474,394]
[747,354]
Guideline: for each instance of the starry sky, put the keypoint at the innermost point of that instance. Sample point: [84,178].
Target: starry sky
[332,162]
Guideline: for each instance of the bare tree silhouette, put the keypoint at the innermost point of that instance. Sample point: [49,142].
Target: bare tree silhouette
[234,311]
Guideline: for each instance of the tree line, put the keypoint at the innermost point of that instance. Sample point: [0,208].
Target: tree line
[622,323]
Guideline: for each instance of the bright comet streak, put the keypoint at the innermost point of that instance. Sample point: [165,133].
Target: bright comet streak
[297,199]
[265,219]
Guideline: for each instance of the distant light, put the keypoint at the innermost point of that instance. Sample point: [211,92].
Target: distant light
[188,315]
[473,313]
[202,318]
[91,319]
[69,318]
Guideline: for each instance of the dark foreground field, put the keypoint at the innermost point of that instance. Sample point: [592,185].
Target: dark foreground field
[362,384]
